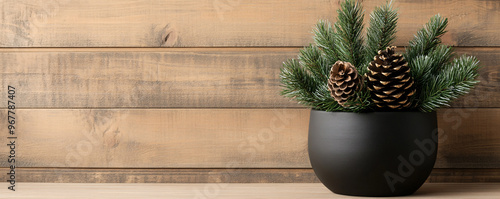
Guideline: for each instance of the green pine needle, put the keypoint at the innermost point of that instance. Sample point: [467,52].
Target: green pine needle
[426,67]
[426,56]
[441,55]
[324,37]
[437,78]
[299,84]
[451,82]
[382,30]
[313,60]
[422,67]
[348,28]
[427,38]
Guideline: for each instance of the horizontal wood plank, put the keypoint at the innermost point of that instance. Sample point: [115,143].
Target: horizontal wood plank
[176,78]
[132,23]
[471,138]
[231,191]
[214,138]
[111,175]
[223,175]
[145,78]
[464,176]
[160,138]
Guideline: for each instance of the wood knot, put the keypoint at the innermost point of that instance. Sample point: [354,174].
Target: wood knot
[168,36]
[112,138]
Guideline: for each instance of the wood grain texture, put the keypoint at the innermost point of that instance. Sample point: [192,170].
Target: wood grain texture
[176,78]
[464,176]
[130,175]
[138,175]
[148,78]
[161,138]
[471,138]
[132,23]
[231,191]
[215,138]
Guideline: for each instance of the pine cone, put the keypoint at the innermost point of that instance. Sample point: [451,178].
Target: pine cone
[343,82]
[389,80]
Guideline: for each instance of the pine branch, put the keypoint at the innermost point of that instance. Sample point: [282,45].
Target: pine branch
[325,100]
[312,59]
[427,38]
[361,103]
[301,85]
[324,37]
[441,55]
[427,67]
[426,57]
[297,83]
[421,71]
[348,28]
[382,30]
[451,82]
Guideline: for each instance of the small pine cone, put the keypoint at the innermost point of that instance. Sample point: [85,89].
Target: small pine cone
[389,80]
[343,82]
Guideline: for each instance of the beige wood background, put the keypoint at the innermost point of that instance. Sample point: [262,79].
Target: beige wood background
[187,91]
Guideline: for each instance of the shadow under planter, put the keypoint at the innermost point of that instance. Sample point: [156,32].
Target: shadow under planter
[373,154]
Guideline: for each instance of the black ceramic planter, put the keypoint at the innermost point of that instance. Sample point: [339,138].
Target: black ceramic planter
[372,154]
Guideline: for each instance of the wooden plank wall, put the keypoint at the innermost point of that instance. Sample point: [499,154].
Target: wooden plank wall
[187,91]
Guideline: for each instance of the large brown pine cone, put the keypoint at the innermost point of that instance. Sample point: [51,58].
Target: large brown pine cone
[389,80]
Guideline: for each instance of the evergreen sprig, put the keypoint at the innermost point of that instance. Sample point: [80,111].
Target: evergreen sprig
[324,37]
[382,30]
[427,38]
[424,68]
[348,37]
[313,60]
[298,83]
[454,80]
[438,78]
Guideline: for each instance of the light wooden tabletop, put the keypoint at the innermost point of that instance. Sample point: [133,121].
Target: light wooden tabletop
[227,191]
